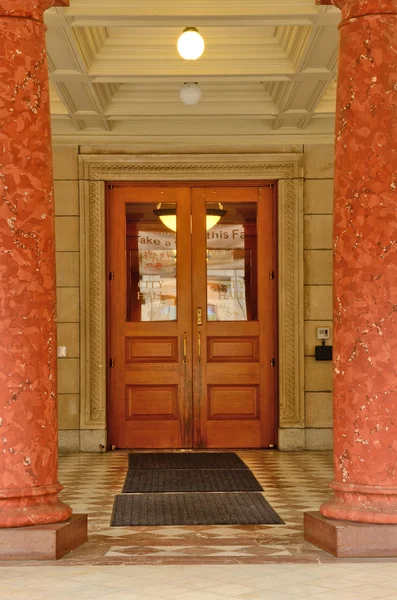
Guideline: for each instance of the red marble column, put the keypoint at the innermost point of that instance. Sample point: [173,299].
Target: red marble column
[365,265]
[28,407]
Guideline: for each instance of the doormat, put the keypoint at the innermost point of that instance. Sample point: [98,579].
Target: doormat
[244,508]
[181,460]
[194,480]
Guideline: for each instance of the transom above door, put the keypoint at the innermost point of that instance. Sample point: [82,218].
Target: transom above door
[191,316]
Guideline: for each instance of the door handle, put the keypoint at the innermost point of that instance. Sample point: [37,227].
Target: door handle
[184,348]
[199,361]
[199,315]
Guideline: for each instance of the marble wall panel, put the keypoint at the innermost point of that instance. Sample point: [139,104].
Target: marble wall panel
[67,243]
[318,232]
[319,409]
[68,304]
[319,161]
[66,195]
[67,235]
[68,376]
[318,267]
[318,224]
[69,411]
[318,196]
[69,336]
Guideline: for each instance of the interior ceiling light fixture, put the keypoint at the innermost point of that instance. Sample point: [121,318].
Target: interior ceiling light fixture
[168,216]
[190,93]
[190,44]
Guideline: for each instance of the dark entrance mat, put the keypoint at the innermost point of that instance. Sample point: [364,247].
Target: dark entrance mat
[181,460]
[245,508]
[196,480]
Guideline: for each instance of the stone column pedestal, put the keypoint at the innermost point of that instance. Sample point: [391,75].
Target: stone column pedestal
[365,266]
[28,349]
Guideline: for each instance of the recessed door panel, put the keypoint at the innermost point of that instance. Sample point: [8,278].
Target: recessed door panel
[152,402]
[151,349]
[233,402]
[233,349]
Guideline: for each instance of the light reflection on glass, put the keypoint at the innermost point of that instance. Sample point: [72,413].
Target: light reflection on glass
[231,265]
[151,266]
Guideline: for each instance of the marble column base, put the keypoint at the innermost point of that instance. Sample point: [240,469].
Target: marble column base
[347,539]
[43,542]
[32,506]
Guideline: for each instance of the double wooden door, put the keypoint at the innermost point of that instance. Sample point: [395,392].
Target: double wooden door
[191,316]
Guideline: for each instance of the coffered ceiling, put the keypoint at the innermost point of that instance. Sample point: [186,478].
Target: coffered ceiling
[267,74]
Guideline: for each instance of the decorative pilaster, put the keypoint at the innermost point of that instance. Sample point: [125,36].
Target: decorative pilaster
[365,265]
[28,414]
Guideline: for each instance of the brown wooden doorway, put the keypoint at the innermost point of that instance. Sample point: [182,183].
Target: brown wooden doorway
[192,316]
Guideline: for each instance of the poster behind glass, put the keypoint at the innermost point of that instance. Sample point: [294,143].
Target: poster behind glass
[151,266]
[232,265]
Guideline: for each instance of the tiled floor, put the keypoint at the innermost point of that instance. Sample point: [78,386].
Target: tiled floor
[293,483]
[200,563]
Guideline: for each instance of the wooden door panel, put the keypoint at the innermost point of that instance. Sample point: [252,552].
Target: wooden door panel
[232,349]
[228,402]
[233,372]
[151,373]
[226,434]
[152,402]
[229,193]
[150,384]
[146,435]
[140,329]
[151,350]
[238,329]
[235,391]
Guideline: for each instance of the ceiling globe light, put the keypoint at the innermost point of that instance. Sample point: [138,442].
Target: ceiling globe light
[190,44]
[190,93]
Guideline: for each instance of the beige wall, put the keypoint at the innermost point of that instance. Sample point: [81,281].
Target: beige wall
[317,234]
[67,243]
[318,200]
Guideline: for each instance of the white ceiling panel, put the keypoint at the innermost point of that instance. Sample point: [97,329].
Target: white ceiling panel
[266,72]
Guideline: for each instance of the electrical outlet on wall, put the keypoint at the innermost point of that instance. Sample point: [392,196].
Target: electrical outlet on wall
[322,333]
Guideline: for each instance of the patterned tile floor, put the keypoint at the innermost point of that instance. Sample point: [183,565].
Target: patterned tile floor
[200,563]
[293,483]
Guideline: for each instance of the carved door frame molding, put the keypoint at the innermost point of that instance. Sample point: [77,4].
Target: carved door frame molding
[96,170]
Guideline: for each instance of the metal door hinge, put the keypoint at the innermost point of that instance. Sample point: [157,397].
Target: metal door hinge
[272,362]
[111,363]
[271,274]
[111,276]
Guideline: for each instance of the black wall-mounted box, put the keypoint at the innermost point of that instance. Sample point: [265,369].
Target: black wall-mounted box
[323,352]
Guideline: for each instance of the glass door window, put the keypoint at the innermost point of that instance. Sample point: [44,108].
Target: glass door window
[151,266]
[232,265]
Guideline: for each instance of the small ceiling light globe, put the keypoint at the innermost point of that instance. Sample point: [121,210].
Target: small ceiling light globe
[190,93]
[190,44]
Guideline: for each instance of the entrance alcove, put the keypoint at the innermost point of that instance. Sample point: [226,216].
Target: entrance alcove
[95,171]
